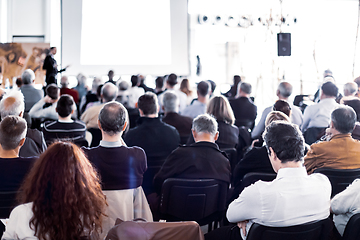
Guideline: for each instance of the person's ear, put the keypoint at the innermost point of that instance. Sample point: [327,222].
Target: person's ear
[216,136]
[22,141]
[136,105]
[125,125]
[194,133]
[99,125]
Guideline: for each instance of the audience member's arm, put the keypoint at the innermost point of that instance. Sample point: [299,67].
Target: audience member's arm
[260,127]
[306,118]
[342,203]
[37,110]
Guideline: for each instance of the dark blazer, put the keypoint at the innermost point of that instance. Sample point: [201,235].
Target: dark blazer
[158,139]
[245,112]
[34,144]
[228,136]
[199,160]
[182,124]
[50,66]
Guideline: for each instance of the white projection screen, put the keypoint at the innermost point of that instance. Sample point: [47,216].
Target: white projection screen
[130,37]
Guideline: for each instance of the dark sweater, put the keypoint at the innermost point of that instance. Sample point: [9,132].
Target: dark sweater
[245,112]
[119,167]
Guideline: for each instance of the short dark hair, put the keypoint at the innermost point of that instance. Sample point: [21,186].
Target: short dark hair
[134,80]
[213,85]
[159,81]
[344,119]
[52,90]
[172,79]
[12,130]
[147,103]
[64,105]
[330,89]
[236,79]
[282,106]
[112,117]
[355,104]
[286,140]
[203,88]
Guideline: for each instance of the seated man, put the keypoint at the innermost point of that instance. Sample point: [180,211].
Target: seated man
[158,139]
[341,151]
[202,159]
[46,107]
[199,106]
[31,94]
[292,198]
[65,127]
[13,104]
[13,168]
[121,168]
[66,90]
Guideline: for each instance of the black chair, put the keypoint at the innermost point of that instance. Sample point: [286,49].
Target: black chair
[352,229]
[339,178]
[244,141]
[313,134]
[7,203]
[96,136]
[318,230]
[232,156]
[200,200]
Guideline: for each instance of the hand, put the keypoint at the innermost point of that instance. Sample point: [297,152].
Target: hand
[253,142]
[242,226]
[67,66]
[47,99]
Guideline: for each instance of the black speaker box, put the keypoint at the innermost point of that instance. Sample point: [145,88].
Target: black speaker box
[284,44]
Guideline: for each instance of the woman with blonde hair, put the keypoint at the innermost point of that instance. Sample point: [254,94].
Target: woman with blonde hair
[61,198]
[220,108]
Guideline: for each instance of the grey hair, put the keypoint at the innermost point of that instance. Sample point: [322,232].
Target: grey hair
[285,89]
[344,119]
[12,130]
[205,123]
[351,87]
[171,102]
[109,92]
[245,87]
[28,76]
[10,107]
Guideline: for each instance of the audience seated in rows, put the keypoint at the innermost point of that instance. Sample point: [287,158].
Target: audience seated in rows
[355,104]
[90,116]
[283,92]
[292,198]
[45,108]
[31,94]
[199,106]
[244,109]
[219,108]
[64,82]
[157,138]
[134,91]
[340,151]
[64,128]
[173,118]
[170,85]
[121,168]
[350,90]
[13,104]
[159,85]
[13,168]
[61,198]
[91,96]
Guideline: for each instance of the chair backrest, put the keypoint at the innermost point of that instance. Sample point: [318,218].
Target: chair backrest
[7,203]
[232,156]
[339,178]
[318,230]
[192,199]
[352,229]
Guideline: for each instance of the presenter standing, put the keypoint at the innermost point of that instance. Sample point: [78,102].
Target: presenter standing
[50,65]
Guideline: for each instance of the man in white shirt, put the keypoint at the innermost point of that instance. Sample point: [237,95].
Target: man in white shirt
[135,91]
[293,198]
[198,107]
[170,86]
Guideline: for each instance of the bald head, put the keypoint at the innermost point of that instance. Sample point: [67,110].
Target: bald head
[12,104]
[284,90]
[109,92]
[64,82]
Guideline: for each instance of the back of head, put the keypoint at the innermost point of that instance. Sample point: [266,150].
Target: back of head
[170,102]
[28,76]
[81,78]
[357,81]
[112,118]
[203,88]
[276,116]
[147,103]
[245,87]
[96,83]
[350,88]
[205,123]
[220,108]
[64,82]
[344,119]
[123,86]
[63,170]
[212,85]
[159,82]
[65,105]
[286,140]
[328,73]
[172,80]
[134,80]
[285,89]
[52,91]
[282,106]
[109,92]
[355,104]
[12,130]
[12,104]
[329,89]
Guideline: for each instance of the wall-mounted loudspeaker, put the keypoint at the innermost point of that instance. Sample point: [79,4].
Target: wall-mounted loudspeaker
[284,44]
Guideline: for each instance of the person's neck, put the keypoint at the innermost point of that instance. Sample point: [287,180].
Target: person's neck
[111,138]
[241,94]
[283,98]
[65,119]
[291,164]
[204,137]
[155,115]
[13,153]
[203,99]
[326,97]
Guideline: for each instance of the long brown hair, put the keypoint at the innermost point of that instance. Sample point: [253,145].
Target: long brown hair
[185,87]
[220,108]
[66,194]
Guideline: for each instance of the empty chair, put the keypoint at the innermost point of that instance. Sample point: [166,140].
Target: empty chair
[200,200]
[339,178]
[318,230]
[352,229]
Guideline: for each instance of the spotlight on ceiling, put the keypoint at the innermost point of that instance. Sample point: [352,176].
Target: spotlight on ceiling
[203,19]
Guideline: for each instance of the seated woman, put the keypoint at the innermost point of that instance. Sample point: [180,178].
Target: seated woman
[61,198]
[220,108]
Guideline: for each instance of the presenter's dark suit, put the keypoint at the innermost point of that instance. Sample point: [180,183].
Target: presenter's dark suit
[50,66]
[245,112]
